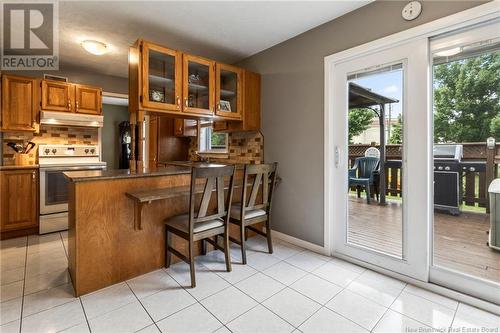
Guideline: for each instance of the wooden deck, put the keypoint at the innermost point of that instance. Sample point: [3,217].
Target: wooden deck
[459,241]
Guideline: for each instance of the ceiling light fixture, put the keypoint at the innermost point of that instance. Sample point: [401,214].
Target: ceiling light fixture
[95,47]
[449,52]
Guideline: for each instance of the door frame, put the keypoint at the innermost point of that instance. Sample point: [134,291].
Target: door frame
[470,17]
[412,56]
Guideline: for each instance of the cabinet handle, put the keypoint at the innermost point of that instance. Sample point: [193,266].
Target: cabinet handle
[178,101]
[218,106]
[76,104]
[33,176]
[186,102]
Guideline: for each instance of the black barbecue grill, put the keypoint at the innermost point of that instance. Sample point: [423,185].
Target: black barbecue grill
[447,180]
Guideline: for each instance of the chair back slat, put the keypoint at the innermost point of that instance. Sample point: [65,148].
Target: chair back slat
[265,187]
[207,194]
[213,177]
[220,195]
[264,177]
[255,190]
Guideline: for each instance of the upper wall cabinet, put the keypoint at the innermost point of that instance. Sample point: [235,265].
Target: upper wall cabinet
[88,99]
[19,103]
[228,91]
[250,114]
[57,96]
[198,84]
[166,81]
[161,78]
[68,97]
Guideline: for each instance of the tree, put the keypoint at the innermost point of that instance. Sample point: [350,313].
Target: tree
[359,121]
[396,135]
[466,99]
[495,127]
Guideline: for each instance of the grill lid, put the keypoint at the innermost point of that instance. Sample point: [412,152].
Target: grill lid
[448,152]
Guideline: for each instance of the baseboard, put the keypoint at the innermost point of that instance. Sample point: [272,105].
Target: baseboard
[299,242]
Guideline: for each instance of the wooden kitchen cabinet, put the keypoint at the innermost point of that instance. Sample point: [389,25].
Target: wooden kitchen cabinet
[69,97]
[228,91]
[161,72]
[198,84]
[19,103]
[88,99]
[19,204]
[169,82]
[57,96]
[185,127]
[250,117]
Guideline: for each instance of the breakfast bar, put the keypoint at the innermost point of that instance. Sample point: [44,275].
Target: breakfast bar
[116,222]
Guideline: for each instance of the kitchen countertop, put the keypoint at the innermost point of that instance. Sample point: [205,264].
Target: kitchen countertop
[197,164]
[18,167]
[90,175]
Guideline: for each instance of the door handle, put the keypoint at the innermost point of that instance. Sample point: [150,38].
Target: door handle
[337,157]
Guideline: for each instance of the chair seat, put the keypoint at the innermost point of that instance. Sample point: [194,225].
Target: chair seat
[360,181]
[181,222]
[249,214]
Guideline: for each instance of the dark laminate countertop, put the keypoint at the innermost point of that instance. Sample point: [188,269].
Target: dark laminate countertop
[18,167]
[197,164]
[90,175]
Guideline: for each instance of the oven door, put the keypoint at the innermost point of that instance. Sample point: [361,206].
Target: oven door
[54,188]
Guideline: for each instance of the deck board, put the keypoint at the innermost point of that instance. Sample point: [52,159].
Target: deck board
[459,241]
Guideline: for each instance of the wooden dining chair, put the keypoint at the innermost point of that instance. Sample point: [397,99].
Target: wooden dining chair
[202,225]
[255,208]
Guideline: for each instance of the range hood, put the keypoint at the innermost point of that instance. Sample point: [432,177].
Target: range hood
[70,119]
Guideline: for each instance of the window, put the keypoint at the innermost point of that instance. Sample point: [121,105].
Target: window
[211,142]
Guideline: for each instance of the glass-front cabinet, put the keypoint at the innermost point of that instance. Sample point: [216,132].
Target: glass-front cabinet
[228,91]
[198,85]
[161,78]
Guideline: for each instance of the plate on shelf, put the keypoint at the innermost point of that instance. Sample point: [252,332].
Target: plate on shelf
[156,96]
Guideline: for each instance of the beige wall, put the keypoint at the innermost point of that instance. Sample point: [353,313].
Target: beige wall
[292,104]
[74,74]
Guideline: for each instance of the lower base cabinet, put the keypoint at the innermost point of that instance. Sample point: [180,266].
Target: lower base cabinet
[19,202]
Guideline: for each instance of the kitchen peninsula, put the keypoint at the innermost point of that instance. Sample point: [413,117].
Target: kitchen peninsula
[106,244]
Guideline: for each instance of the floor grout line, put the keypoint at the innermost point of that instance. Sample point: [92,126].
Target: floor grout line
[389,308]
[24,286]
[142,305]
[85,314]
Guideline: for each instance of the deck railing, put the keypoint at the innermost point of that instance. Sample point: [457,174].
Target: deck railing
[482,167]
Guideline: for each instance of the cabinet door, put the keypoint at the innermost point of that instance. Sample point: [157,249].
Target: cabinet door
[161,78]
[153,142]
[228,91]
[19,199]
[57,96]
[19,107]
[198,85]
[88,99]
[185,127]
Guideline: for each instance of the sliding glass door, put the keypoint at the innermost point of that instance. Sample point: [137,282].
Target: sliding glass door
[381,173]
[466,115]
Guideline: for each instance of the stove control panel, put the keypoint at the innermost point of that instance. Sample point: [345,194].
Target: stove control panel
[67,150]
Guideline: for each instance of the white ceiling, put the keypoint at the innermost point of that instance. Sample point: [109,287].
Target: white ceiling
[226,31]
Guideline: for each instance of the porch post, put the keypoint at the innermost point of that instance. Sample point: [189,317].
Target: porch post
[382,183]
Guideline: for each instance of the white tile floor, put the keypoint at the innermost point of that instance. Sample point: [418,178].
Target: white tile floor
[291,290]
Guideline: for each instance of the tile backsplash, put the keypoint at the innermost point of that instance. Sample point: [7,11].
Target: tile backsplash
[244,148]
[64,135]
